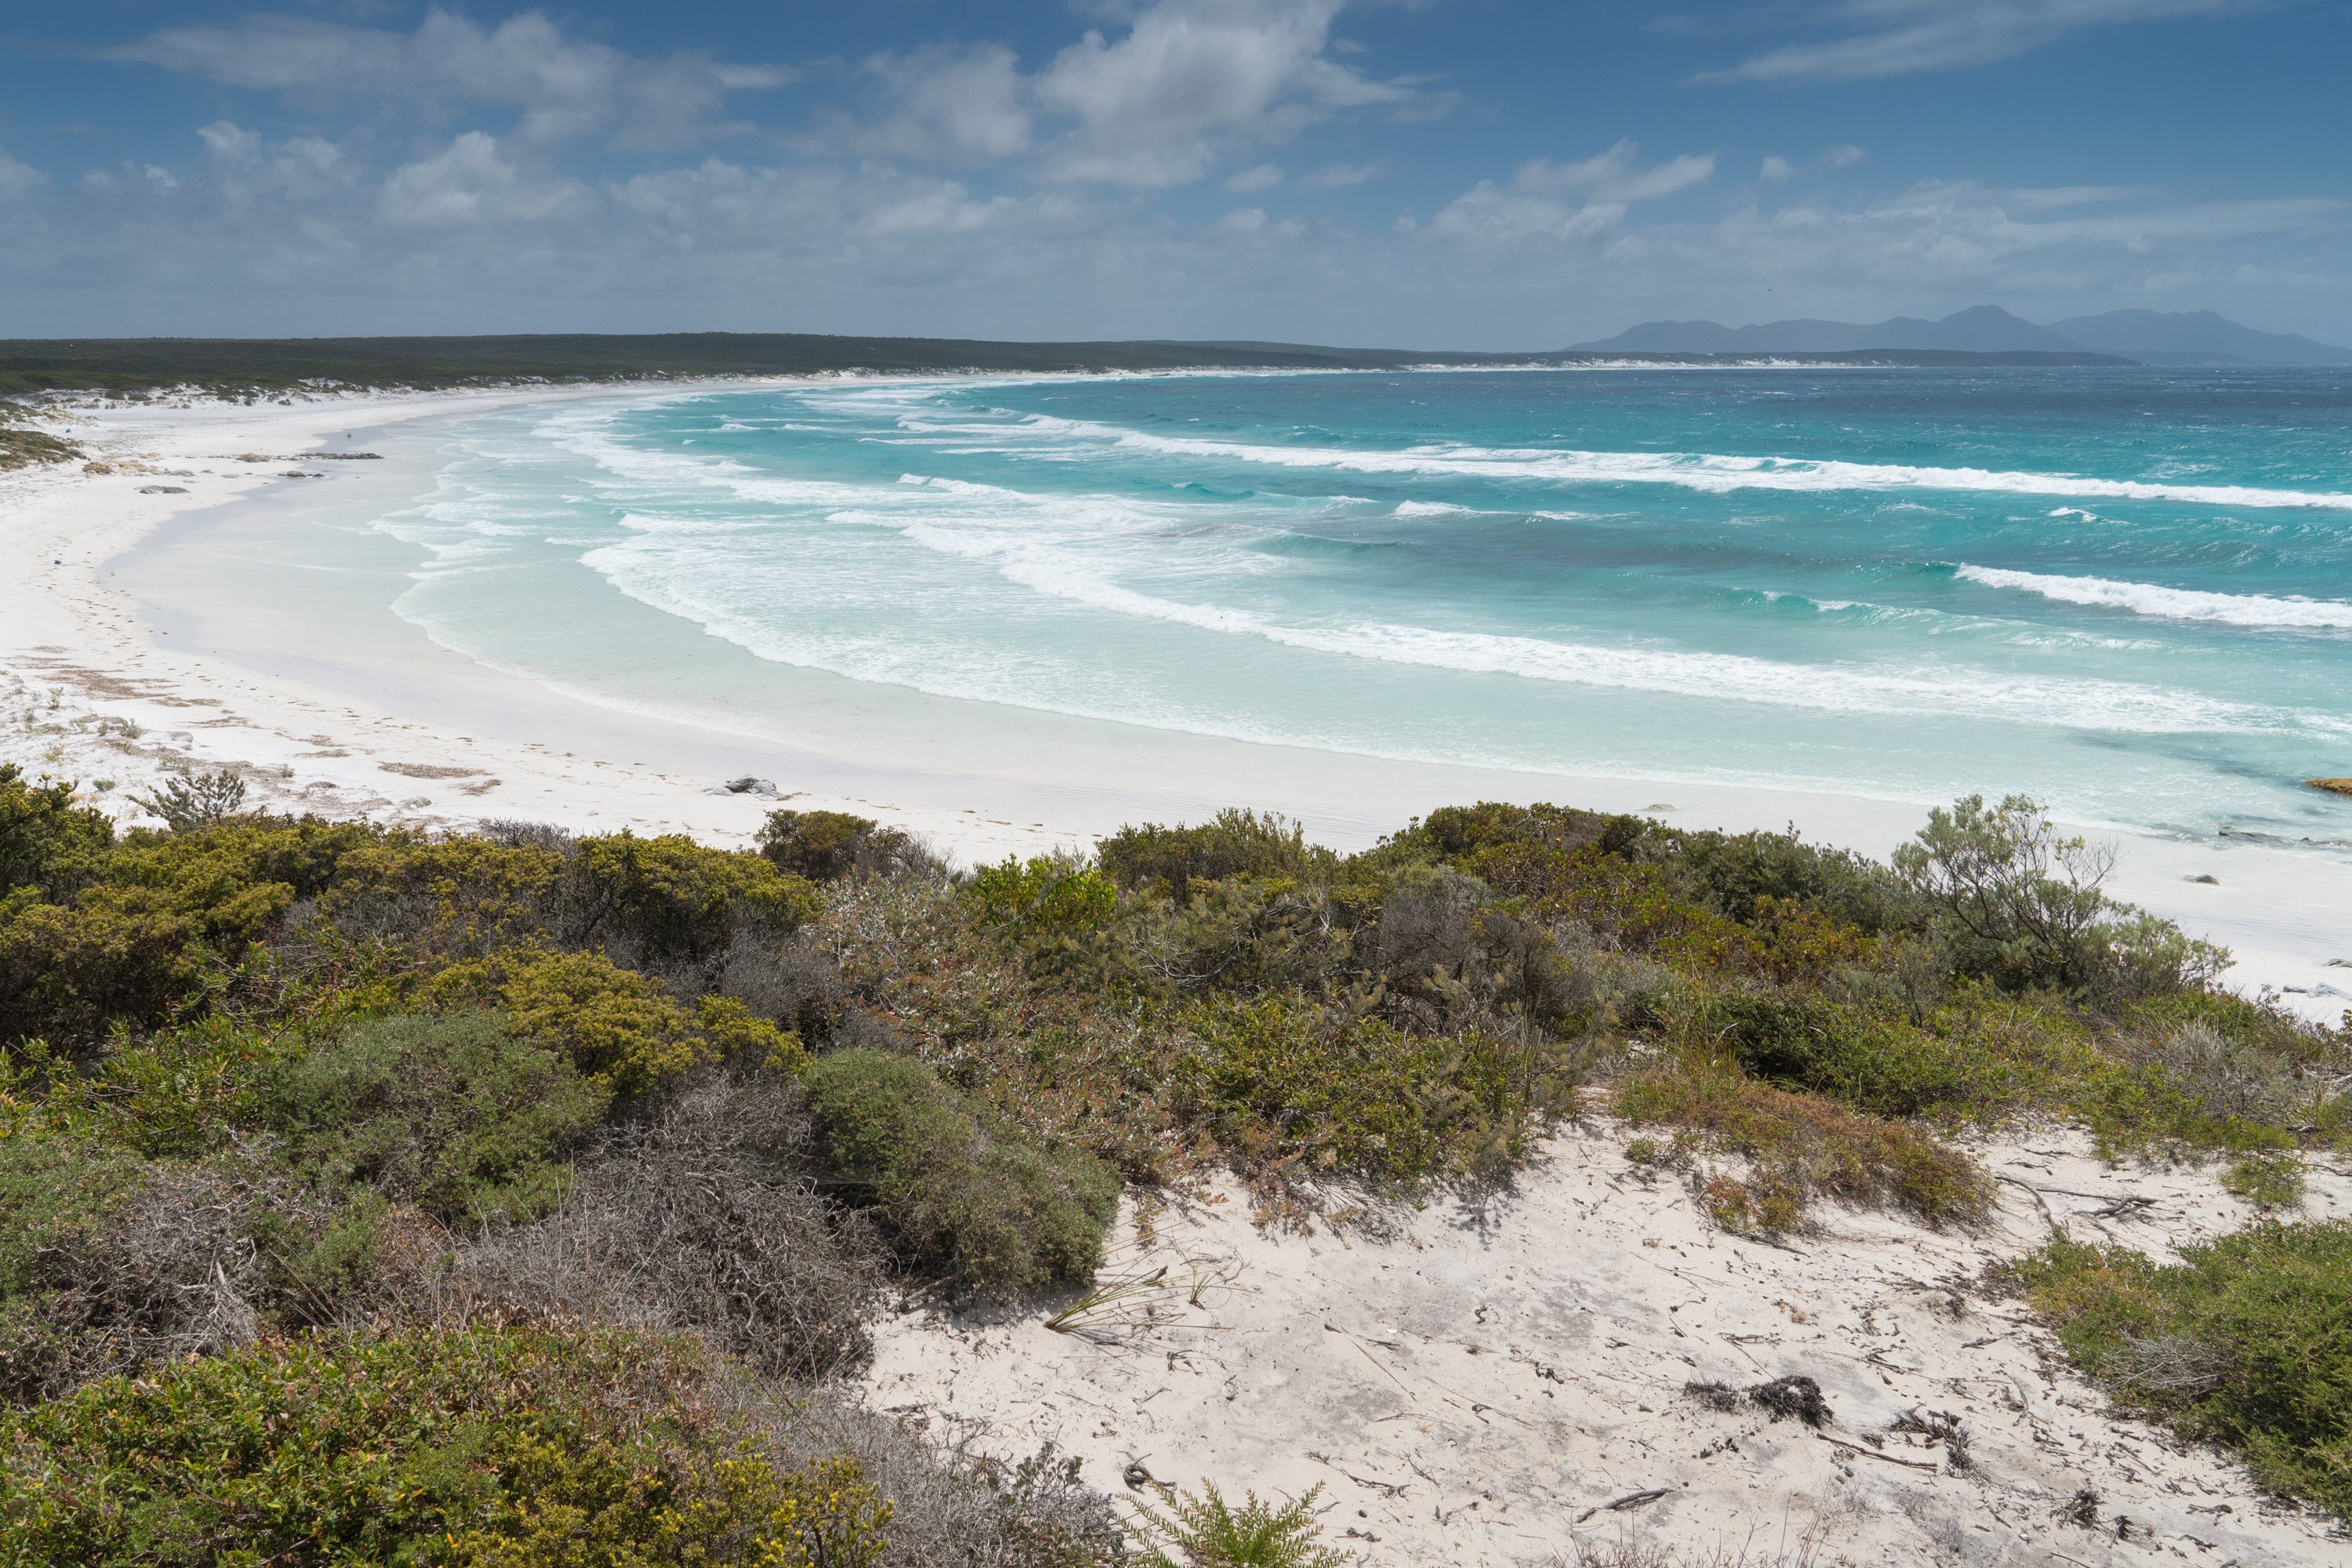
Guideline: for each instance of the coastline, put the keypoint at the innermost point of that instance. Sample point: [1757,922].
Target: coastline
[199,618]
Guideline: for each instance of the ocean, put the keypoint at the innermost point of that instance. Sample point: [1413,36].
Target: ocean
[2125,592]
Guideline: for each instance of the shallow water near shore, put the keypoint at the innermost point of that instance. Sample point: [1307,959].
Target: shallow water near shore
[2127,592]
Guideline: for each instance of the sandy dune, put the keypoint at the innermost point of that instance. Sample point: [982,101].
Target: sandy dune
[1493,1383]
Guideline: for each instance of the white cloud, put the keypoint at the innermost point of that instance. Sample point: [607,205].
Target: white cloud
[1616,175]
[1776,169]
[1156,106]
[1489,213]
[1568,200]
[471,182]
[2051,198]
[1333,176]
[565,88]
[1264,177]
[949,104]
[1845,157]
[245,167]
[1186,83]
[1152,108]
[1894,37]
[19,179]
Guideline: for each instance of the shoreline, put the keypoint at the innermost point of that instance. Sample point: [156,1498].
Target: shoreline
[198,618]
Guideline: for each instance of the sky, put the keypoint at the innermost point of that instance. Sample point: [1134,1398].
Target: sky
[1432,173]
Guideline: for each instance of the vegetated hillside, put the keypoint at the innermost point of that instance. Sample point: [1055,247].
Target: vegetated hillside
[254,366]
[510,1197]
[284,364]
[23,443]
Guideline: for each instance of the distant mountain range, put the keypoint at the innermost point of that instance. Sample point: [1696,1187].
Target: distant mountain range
[2152,337]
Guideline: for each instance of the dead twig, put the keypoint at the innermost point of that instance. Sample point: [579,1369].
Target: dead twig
[1843,1444]
[1631,1500]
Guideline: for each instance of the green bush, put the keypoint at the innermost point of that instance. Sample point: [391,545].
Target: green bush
[1045,897]
[669,898]
[129,932]
[1284,1083]
[992,1211]
[1739,870]
[56,1195]
[1234,842]
[826,846]
[1803,1040]
[454,1114]
[2246,1342]
[459,896]
[2021,906]
[617,1026]
[1798,1147]
[489,1449]
[46,840]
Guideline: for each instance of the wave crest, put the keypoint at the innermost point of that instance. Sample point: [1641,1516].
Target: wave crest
[2292,611]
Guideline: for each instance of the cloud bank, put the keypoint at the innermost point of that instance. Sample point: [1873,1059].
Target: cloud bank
[471,176]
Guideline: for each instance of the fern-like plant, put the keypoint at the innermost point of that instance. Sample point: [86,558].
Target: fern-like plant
[1204,1530]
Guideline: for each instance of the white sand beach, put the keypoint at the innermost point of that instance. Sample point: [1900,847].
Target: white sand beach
[1470,1384]
[182,611]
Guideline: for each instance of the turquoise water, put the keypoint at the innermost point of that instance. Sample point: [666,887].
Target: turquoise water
[2127,592]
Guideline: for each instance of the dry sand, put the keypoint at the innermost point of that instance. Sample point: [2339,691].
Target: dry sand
[1496,1380]
[1482,1386]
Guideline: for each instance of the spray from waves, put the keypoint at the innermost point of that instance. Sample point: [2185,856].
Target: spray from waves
[1713,472]
[1023,557]
[2293,611]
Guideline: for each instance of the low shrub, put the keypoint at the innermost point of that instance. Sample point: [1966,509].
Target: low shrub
[450,897]
[2246,1342]
[826,846]
[2021,906]
[111,1263]
[1742,871]
[1290,1088]
[1044,896]
[1232,842]
[47,841]
[669,898]
[483,1447]
[1798,1147]
[1803,1040]
[616,1025]
[453,1114]
[699,1213]
[993,1212]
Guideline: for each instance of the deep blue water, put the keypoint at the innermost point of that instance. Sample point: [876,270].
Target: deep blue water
[2127,592]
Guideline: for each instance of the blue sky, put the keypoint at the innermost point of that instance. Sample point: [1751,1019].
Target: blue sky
[1488,173]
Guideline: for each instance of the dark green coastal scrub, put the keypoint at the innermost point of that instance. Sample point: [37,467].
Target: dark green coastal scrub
[509,1197]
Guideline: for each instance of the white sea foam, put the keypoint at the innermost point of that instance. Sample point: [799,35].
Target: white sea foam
[2172,603]
[2073,702]
[1714,472]
[1434,508]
